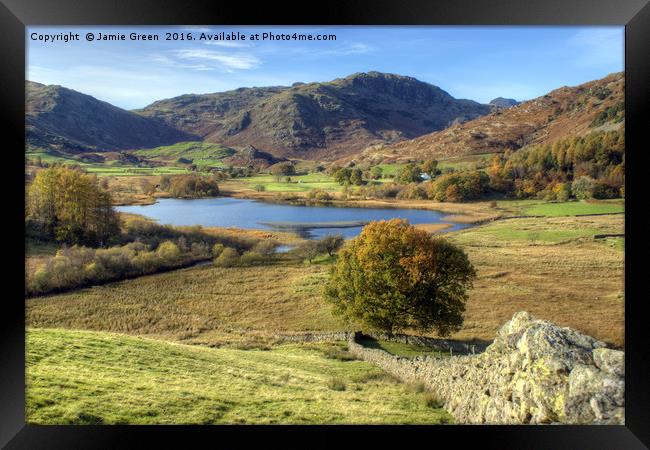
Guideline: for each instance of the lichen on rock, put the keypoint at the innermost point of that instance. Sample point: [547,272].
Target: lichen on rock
[534,372]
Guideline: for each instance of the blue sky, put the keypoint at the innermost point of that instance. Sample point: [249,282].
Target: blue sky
[478,63]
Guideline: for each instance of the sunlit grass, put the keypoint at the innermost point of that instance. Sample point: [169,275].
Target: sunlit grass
[81,377]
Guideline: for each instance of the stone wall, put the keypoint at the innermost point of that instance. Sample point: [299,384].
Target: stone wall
[458,347]
[534,372]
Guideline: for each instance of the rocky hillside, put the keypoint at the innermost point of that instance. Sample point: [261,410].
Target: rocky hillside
[501,102]
[71,122]
[567,111]
[318,120]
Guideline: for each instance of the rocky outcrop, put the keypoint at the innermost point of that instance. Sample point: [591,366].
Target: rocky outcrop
[534,372]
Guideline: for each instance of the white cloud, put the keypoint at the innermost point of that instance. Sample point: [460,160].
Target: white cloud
[352,49]
[208,59]
[228,44]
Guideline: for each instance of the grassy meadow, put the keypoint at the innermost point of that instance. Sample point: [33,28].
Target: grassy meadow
[554,209]
[552,267]
[298,183]
[83,377]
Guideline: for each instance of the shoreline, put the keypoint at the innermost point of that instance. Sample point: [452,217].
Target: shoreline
[467,213]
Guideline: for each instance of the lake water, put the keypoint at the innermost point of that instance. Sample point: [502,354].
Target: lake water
[308,221]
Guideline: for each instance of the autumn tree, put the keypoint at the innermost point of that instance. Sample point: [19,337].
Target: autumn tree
[331,243]
[430,167]
[308,250]
[70,206]
[409,173]
[376,173]
[282,169]
[393,276]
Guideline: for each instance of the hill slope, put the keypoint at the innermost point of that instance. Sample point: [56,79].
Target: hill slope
[567,111]
[82,377]
[318,120]
[61,119]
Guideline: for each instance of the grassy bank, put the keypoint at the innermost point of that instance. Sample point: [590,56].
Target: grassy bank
[81,377]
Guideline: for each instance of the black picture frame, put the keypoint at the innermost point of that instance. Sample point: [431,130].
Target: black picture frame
[16,14]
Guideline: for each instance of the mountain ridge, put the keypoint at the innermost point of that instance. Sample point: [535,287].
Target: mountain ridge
[566,111]
[319,120]
[62,119]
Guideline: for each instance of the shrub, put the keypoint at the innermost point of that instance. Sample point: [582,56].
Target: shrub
[459,186]
[193,186]
[330,243]
[409,173]
[252,258]
[319,195]
[583,187]
[265,247]
[229,257]
[604,190]
[282,169]
[79,266]
[385,190]
[307,250]
[168,251]
[393,276]
[412,192]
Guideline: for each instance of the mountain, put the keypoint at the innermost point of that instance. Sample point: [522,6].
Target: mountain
[567,111]
[318,120]
[501,102]
[61,119]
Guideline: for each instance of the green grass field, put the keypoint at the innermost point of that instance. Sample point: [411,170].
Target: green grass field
[109,168]
[299,183]
[129,170]
[557,209]
[200,153]
[81,377]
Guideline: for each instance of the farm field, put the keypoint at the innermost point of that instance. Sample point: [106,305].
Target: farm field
[298,183]
[198,152]
[554,209]
[551,260]
[82,377]
[109,168]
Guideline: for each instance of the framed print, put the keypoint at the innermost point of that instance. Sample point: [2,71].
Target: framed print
[380,221]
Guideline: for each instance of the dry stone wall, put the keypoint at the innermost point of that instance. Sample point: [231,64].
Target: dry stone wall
[534,372]
[433,343]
